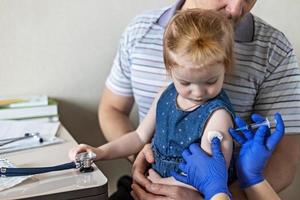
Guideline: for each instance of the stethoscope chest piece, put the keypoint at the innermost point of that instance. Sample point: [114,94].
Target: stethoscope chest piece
[84,161]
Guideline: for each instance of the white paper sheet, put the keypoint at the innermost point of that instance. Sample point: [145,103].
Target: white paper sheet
[8,182]
[12,129]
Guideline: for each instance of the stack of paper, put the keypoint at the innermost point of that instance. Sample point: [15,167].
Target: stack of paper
[24,101]
[13,129]
[30,108]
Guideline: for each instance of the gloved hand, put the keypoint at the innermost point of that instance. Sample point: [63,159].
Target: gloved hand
[256,148]
[206,173]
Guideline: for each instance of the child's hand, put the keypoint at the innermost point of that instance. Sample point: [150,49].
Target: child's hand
[83,148]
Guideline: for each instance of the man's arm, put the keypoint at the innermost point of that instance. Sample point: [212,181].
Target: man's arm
[113,114]
[281,167]
[261,191]
[237,192]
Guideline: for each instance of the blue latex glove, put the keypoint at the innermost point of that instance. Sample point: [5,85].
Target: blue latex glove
[256,148]
[206,173]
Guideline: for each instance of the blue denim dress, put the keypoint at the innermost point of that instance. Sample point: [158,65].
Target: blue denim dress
[177,129]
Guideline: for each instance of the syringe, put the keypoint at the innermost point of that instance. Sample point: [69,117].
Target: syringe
[253,126]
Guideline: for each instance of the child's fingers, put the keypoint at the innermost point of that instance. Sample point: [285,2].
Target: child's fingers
[83,148]
[79,149]
[257,118]
[72,154]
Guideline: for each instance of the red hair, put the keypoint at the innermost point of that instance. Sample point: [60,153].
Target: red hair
[200,35]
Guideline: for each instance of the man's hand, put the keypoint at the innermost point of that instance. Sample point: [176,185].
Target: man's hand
[164,192]
[141,165]
[154,177]
[143,189]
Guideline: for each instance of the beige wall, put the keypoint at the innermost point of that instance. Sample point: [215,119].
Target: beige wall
[64,48]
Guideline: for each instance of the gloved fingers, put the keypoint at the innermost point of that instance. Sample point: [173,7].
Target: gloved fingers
[261,134]
[279,123]
[195,149]
[216,147]
[182,166]
[257,118]
[236,136]
[179,177]
[275,137]
[186,154]
[241,123]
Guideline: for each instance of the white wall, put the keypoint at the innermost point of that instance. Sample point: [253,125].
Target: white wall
[64,48]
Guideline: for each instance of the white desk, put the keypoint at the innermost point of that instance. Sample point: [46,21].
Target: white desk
[68,184]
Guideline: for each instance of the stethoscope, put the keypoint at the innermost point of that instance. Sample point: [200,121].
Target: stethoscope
[36,136]
[83,162]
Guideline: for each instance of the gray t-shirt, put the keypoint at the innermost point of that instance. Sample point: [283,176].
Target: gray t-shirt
[266,78]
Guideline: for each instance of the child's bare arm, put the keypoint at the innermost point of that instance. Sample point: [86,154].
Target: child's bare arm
[220,121]
[122,147]
[129,144]
[132,142]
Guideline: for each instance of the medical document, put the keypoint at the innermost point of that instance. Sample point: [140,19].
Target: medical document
[14,129]
[8,182]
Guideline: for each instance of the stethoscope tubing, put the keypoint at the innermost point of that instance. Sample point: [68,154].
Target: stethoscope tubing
[9,172]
